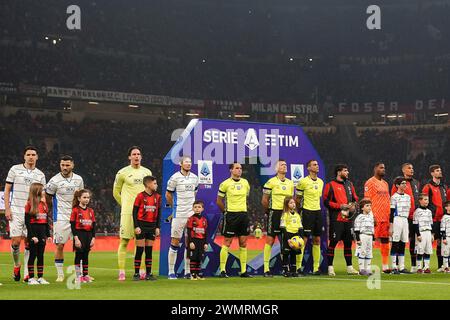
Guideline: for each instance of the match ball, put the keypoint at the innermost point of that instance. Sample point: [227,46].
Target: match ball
[296,243]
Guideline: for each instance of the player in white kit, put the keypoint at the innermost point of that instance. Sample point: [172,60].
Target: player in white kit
[364,227]
[423,223]
[445,236]
[62,188]
[183,185]
[399,228]
[20,177]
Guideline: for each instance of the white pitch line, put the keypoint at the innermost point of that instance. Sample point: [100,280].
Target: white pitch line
[316,278]
[388,281]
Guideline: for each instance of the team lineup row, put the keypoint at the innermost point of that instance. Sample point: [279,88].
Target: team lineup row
[293,213]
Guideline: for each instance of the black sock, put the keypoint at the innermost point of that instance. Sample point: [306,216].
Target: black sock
[348,253]
[394,249]
[440,259]
[293,261]
[85,263]
[285,262]
[330,253]
[138,259]
[148,259]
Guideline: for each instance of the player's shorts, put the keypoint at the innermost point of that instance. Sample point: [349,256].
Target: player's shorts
[197,253]
[126,226]
[426,245]
[85,238]
[364,251]
[382,229]
[148,231]
[17,227]
[400,230]
[436,230]
[178,227]
[445,251]
[312,222]
[285,247]
[341,231]
[235,224]
[62,232]
[273,222]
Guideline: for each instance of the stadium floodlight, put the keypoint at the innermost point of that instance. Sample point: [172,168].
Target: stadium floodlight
[133,106]
[54,41]
[242,116]
[441,114]
[192,114]
[93,102]
[290,117]
[291,59]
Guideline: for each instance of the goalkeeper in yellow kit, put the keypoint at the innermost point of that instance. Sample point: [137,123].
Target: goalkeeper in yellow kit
[127,185]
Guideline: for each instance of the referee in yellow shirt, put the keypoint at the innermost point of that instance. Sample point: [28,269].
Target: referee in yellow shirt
[236,223]
[309,190]
[275,191]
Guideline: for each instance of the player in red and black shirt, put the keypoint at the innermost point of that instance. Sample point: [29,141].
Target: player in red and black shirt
[82,222]
[36,221]
[413,190]
[436,191]
[340,197]
[146,217]
[197,239]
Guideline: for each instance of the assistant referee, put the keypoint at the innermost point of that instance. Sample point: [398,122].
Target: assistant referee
[309,192]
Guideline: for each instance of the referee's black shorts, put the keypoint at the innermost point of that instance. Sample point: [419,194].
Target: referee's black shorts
[312,222]
[235,224]
[273,222]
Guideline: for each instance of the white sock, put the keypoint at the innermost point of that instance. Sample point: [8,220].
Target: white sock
[401,262]
[420,264]
[59,264]
[385,266]
[26,256]
[361,264]
[187,263]
[172,258]
[394,262]
[427,263]
[78,271]
[445,262]
[16,254]
[368,265]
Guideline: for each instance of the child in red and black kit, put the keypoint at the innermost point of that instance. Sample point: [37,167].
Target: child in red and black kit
[197,239]
[82,222]
[146,218]
[36,221]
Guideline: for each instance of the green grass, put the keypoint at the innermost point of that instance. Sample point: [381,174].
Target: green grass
[103,268]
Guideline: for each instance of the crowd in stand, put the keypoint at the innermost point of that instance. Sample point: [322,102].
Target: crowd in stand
[230,51]
[98,148]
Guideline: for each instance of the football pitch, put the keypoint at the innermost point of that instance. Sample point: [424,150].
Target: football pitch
[103,268]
